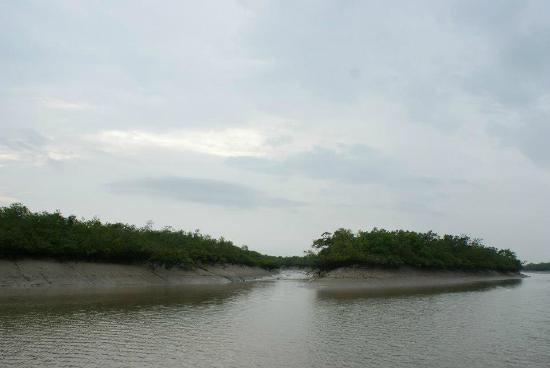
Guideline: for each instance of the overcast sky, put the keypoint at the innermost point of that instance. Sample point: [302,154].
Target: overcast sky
[270,122]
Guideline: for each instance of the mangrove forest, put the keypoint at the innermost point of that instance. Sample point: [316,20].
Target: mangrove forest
[27,234]
[408,248]
[51,235]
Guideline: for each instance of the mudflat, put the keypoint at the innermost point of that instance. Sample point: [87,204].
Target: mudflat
[40,274]
[406,277]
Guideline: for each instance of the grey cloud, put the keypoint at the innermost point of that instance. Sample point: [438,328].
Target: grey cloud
[29,146]
[207,191]
[173,64]
[352,164]
[515,37]
[358,165]
[337,51]
[436,60]
[533,141]
[304,56]
[530,137]
[23,140]
[520,71]
[515,75]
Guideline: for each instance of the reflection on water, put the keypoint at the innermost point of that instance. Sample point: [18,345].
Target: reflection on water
[344,291]
[127,299]
[281,323]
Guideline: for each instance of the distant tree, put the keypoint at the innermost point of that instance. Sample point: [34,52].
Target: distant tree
[543,266]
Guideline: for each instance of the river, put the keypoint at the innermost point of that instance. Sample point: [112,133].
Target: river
[281,323]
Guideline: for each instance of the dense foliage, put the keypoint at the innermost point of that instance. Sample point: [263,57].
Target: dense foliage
[407,248]
[544,266]
[27,234]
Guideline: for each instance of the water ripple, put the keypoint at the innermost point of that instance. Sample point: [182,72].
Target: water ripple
[282,323]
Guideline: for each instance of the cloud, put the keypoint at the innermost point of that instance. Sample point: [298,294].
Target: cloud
[225,143]
[341,54]
[355,175]
[30,146]
[61,104]
[207,191]
[5,200]
[533,141]
[515,68]
[9,157]
[348,163]
[529,136]
[23,140]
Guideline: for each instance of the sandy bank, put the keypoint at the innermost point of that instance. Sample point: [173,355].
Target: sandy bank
[404,278]
[42,274]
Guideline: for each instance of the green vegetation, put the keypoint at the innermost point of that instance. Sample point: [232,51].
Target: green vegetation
[407,248]
[543,266]
[42,234]
[38,235]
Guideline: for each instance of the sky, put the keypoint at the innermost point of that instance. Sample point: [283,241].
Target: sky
[271,122]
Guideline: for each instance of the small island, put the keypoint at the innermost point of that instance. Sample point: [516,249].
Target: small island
[384,260]
[43,249]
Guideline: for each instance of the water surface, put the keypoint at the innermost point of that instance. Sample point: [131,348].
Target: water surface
[282,323]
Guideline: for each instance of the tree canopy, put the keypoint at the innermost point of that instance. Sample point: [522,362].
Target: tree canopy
[408,248]
[43,234]
[27,234]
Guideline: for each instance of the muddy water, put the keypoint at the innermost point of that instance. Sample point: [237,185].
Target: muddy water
[281,323]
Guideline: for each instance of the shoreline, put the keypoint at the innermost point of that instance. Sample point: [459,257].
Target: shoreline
[27,275]
[373,278]
[49,274]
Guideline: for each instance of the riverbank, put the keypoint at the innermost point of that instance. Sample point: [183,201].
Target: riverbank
[373,278]
[32,274]
[29,274]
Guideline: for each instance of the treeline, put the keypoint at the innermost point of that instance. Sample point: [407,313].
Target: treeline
[407,248]
[42,234]
[543,266]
